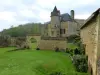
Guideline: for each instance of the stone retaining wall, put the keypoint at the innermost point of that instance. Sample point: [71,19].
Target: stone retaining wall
[52,44]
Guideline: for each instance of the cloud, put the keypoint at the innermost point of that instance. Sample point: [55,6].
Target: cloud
[7,16]
[14,12]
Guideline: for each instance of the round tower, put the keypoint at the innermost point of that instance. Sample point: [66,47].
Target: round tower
[55,23]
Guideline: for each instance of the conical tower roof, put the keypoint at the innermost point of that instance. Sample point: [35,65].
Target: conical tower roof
[55,12]
[55,9]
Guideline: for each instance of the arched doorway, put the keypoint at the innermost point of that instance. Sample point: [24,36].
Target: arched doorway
[33,43]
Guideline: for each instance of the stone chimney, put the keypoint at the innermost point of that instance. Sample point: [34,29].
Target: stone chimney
[72,14]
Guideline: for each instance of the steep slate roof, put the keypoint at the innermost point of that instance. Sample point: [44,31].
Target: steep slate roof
[66,17]
[63,17]
[91,17]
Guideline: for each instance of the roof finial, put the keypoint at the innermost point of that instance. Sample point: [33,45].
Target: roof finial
[55,9]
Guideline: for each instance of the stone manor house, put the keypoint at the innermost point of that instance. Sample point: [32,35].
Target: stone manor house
[62,25]
[57,30]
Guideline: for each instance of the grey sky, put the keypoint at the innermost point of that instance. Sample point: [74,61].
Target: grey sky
[15,12]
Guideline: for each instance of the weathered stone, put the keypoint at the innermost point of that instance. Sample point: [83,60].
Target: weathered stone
[90,34]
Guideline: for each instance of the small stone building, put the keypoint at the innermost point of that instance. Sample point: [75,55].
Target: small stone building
[90,35]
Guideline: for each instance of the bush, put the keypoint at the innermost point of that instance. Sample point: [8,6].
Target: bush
[81,47]
[5,41]
[26,47]
[76,51]
[37,48]
[67,50]
[71,52]
[57,49]
[80,63]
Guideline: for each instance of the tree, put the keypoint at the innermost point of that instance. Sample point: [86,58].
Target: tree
[5,41]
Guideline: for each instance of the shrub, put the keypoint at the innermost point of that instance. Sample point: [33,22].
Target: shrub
[80,63]
[37,48]
[81,47]
[20,41]
[57,49]
[71,52]
[5,41]
[67,50]
[26,47]
[76,51]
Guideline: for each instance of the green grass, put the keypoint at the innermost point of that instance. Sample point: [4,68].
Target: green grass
[72,46]
[33,45]
[33,62]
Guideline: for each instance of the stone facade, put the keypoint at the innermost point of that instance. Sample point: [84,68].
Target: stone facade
[37,37]
[73,28]
[51,43]
[98,46]
[60,26]
[90,37]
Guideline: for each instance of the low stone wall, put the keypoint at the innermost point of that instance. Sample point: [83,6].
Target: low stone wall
[51,44]
[53,38]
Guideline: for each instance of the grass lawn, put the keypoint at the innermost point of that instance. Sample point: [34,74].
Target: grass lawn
[72,46]
[33,45]
[33,62]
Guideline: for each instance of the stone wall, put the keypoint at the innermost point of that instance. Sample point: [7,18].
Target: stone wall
[55,26]
[98,66]
[37,37]
[64,25]
[89,38]
[51,44]
[73,28]
[98,52]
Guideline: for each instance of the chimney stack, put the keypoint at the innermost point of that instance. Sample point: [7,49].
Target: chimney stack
[72,14]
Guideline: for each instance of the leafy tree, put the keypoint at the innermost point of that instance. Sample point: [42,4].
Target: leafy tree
[21,43]
[5,41]
[23,30]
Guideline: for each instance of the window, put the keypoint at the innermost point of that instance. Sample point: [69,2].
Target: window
[52,32]
[62,31]
[57,33]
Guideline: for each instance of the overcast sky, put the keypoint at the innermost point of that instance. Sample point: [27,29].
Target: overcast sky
[15,12]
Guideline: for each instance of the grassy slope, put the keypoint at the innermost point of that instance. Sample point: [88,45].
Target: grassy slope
[32,62]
